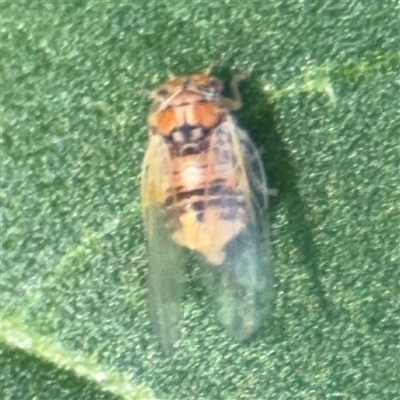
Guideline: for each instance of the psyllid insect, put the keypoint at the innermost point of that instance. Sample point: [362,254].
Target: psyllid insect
[204,189]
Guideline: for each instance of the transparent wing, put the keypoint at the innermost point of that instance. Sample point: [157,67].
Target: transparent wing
[166,258]
[242,286]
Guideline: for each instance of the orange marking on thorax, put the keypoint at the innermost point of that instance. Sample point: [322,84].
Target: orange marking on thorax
[186,108]
[207,114]
[165,121]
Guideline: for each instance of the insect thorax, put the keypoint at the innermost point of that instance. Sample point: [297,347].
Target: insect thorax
[188,140]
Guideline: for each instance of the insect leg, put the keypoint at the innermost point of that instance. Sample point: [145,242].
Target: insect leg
[235,103]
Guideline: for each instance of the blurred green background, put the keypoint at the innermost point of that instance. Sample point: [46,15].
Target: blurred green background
[323,101]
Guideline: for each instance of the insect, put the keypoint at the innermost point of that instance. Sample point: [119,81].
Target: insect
[204,189]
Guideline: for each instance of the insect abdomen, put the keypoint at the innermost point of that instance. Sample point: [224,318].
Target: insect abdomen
[206,210]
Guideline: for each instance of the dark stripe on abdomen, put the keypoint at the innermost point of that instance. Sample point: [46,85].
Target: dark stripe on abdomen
[231,203]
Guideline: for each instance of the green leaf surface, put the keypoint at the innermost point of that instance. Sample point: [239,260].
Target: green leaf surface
[323,101]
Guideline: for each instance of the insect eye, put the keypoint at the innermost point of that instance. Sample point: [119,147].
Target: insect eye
[162,92]
[216,85]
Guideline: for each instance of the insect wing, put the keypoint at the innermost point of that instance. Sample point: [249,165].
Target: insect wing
[242,285]
[166,258]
